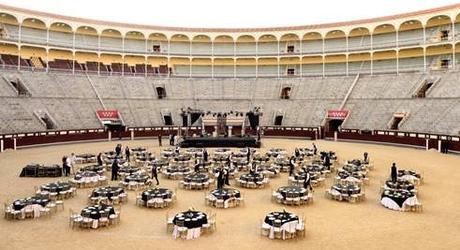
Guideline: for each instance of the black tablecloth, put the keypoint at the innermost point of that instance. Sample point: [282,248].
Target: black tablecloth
[398,196]
[108,192]
[86,157]
[274,152]
[400,184]
[152,193]
[22,203]
[139,149]
[252,177]
[139,178]
[402,172]
[226,193]
[37,170]
[93,168]
[56,187]
[80,175]
[345,174]
[177,169]
[191,219]
[283,217]
[196,178]
[128,169]
[300,175]
[314,168]
[347,189]
[182,158]
[97,211]
[292,191]
[261,158]
[354,168]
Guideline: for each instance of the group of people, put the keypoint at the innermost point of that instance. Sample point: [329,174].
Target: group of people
[68,164]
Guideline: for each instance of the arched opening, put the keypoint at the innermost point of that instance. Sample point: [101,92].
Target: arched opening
[9,29]
[33,31]
[384,61]
[267,45]
[61,34]
[384,36]
[335,65]
[359,63]
[439,57]
[290,66]
[157,43]
[135,42]
[290,44]
[180,66]
[245,45]
[60,60]
[411,60]
[224,67]
[224,45]
[359,39]
[268,67]
[33,57]
[312,66]
[246,67]
[111,40]
[335,41]
[201,45]
[201,67]
[410,33]
[179,45]
[439,29]
[86,38]
[312,43]
[161,93]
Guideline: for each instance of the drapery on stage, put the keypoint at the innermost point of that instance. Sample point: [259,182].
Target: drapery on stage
[209,142]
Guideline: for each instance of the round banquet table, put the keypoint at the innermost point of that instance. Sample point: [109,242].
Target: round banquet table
[282,163]
[85,174]
[139,178]
[314,168]
[277,219]
[127,170]
[292,191]
[274,152]
[409,175]
[301,175]
[86,158]
[306,151]
[159,163]
[261,158]
[231,170]
[108,192]
[192,152]
[196,178]
[222,151]
[97,211]
[173,171]
[56,187]
[268,170]
[139,149]
[354,168]
[256,177]
[349,176]
[331,155]
[400,184]
[109,161]
[347,189]
[167,153]
[182,158]
[399,197]
[93,168]
[220,158]
[226,193]
[154,193]
[144,156]
[22,203]
[190,219]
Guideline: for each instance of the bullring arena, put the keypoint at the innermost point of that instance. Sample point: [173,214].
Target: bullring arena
[263,134]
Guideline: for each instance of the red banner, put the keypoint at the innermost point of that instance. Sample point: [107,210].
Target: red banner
[108,114]
[337,114]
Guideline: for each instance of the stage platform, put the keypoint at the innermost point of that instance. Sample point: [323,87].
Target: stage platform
[214,142]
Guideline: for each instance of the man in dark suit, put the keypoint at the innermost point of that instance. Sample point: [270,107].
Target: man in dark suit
[291,166]
[115,169]
[394,173]
[155,173]
[99,159]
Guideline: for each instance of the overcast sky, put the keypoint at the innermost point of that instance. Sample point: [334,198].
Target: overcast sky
[228,13]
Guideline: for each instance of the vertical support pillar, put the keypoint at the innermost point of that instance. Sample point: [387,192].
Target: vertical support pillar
[1,146]
[14,144]
[230,131]
[427,144]
[110,136]
[439,146]
[132,135]
[214,133]
[335,135]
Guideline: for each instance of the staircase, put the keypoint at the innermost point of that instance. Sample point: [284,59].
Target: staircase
[95,91]
[345,99]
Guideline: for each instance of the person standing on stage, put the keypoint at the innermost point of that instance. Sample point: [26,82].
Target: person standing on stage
[99,159]
[115,169]
[291,166]
[127,153]
[366,158]
[155,173]
[394,173]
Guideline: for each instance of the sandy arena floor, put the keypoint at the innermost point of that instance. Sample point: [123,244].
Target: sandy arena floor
[330,224]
